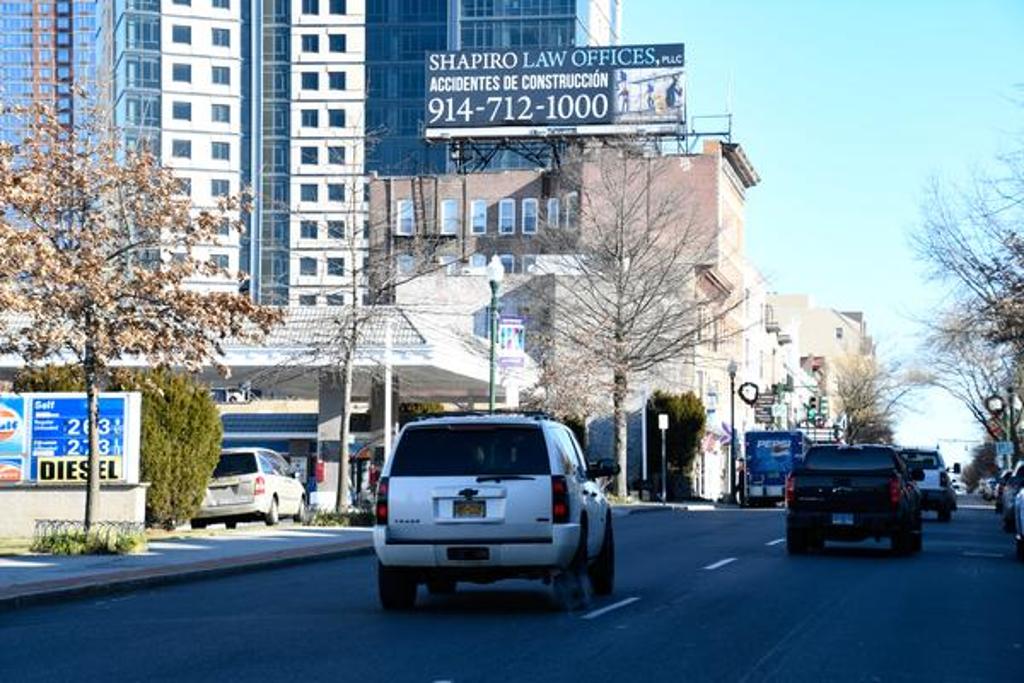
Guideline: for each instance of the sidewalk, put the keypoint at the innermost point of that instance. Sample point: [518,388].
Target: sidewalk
[34,579]
[621,510]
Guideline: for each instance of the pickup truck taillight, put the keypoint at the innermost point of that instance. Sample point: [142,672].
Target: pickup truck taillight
[790,490]
[894,491]
[380,510]
[559,500]
[261,486]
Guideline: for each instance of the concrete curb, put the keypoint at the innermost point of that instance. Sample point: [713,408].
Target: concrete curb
[647,509]
[48,592]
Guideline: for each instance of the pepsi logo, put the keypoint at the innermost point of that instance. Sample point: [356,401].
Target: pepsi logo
[10,422]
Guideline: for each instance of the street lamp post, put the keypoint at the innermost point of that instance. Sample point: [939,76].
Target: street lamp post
[733,367]
[495,273]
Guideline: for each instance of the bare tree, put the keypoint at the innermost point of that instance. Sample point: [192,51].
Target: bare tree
[636,255]
[973,238]
[97,248]
[969,367]
[870,397]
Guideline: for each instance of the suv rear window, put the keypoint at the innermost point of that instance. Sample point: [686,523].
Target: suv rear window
[833,458]
[232,464]
[922,460]
[470,450]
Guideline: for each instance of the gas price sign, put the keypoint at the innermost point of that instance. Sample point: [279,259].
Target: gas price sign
[583,90]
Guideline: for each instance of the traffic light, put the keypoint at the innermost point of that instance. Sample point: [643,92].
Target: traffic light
[812,408]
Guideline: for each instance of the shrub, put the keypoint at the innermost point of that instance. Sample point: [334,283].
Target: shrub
[332,518]
[77,542]
[181,433]
[686,423]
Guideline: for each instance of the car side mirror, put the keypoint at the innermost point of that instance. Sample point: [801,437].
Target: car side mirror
[296,474]
[956,468]
[917,475]
[605,467]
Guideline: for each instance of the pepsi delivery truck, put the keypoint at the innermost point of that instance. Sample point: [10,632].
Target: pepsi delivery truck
[768,461]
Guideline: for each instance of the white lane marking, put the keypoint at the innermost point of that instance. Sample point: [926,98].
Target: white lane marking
[604,610]
[776,541]
[968,553]
[720,563]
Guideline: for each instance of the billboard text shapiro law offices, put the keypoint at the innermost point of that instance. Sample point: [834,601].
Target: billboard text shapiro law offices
[561,91]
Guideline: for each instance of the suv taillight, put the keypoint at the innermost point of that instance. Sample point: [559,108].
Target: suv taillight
[894,491]
[261,486]
[790,490]
[559,500]
[381,508]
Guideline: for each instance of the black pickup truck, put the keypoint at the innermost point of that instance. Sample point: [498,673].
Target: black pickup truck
[851,493]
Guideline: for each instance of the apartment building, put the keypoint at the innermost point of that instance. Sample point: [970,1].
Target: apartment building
[45,47]
[245,94]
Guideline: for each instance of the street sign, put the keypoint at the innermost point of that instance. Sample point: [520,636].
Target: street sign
[511,342]
[1004,449]
[662,421]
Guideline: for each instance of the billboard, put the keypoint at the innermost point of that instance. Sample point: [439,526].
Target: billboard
[44,437]
[561,91]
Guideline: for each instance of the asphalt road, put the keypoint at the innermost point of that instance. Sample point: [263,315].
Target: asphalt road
[712,597]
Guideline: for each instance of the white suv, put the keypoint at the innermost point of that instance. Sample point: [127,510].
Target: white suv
[481,498]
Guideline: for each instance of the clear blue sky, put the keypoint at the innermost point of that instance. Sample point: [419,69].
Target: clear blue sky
[846,109]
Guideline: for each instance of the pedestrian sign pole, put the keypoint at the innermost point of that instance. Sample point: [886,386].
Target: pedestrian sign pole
[663,427]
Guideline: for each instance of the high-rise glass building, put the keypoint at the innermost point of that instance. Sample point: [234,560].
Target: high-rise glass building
[45,48]
[400,32]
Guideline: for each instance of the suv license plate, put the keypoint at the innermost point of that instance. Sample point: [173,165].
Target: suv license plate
[469,508]
[842,519]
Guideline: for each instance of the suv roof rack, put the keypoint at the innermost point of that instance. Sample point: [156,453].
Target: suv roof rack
[535,414]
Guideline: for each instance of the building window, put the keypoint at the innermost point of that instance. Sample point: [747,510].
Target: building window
[529,263]
[405,220]
[224,229]
[336,118]
[478,216]
[336,230]
[186,3]
[336,267]
[181,73]
[307,299]
[311,6]
[221,37]
[507,216]
[554,211]
[220,187]
[478,261]
[220,151]
[311,43]
[450,263]
[308,193]
[219,260]
[337,6]
[309,155]
[508,261]
[222,4]
[181,34]
[335,192]
[335,155]
[529,216]
[308,230]
[449,217]
[181,111]
[336,42]
[335,299]
[307,266]
[336,80]
[310,118]
[405,264]
[839,333]
[221,113]
[310,80]
[571,201]
[185,186]
[221,75]
[181,149]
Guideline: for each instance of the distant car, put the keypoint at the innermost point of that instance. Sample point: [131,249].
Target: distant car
[1011,487]
[1000,485]
[482,498]
[936,488]
[251,484]
[851,493]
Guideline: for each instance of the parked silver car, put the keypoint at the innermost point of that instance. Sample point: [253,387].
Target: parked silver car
[251,484]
